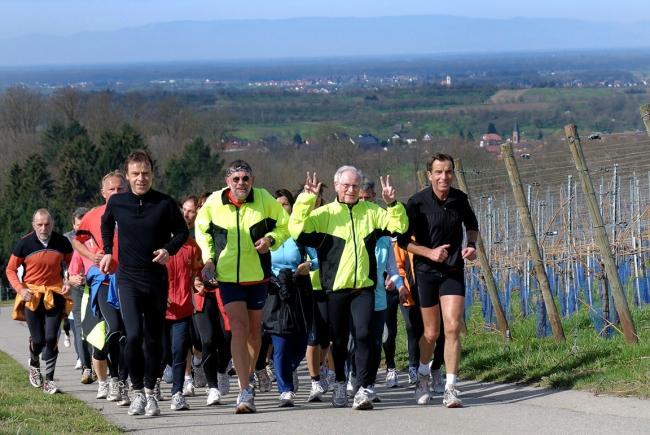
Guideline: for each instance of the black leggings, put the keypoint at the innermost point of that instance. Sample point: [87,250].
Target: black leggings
[356,306]
[392,300]
[114,348]
[215,340]
[44,333]
[143,302]
[414,330]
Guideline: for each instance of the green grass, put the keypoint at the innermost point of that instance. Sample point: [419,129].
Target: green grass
[584,361]
[555,94]
[24,409]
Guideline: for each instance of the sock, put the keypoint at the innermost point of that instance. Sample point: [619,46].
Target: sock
[188,377]
[424,369]
[451,380]
[148,392]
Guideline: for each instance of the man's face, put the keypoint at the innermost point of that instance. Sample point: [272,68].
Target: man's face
[189,213]
[76,223]
[347,188]
[367,195]
[441,176]
[42,226]
[240,184]
[111,186]
[140,177]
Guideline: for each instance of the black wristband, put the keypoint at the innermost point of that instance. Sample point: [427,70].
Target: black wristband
[392,204]
[271,240]
[471,245]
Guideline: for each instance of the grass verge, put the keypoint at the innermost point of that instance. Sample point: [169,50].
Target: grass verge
[584,361]
[25,409]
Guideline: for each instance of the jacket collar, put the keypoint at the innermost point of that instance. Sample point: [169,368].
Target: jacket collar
[226,201]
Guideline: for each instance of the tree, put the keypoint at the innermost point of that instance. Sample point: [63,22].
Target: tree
[491,128]
[115,147]
[193,171]
[20,110]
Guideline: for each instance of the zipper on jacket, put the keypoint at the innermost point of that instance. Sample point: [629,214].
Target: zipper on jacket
[354,239]
[238,244]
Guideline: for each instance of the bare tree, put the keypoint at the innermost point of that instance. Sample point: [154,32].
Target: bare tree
[21,111]
[68,101]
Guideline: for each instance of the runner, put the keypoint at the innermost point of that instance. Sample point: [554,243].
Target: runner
[150,228]
[435,236]
[344,233]
[235,230]
[41,296]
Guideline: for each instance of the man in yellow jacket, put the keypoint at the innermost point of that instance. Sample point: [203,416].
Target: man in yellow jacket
[235,229]
[344,233]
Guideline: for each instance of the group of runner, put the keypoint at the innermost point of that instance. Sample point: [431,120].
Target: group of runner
[220,280]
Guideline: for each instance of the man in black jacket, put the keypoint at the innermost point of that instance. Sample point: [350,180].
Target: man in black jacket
[150,229]
[435,236]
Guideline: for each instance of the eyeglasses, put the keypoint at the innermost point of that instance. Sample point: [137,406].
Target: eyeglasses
[244,179]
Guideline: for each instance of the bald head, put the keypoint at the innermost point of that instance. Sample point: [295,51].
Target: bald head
[43,224]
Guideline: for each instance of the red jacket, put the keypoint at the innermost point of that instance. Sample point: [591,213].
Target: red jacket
[181,270]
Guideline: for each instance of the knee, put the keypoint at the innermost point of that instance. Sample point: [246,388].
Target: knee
[453,328]
[430,335]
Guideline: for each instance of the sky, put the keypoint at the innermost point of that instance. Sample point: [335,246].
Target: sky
[63,17]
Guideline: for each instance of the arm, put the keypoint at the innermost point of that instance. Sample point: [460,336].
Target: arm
[85,252]
[178,229]
[202,233]
[108,230]
[12,275]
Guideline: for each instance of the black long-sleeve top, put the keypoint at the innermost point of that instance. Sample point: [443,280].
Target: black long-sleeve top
[145,223]
[433,223]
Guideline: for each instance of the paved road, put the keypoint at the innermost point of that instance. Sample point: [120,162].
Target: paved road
[489,408]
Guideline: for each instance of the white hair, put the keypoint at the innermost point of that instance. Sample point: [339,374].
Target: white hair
[342,169]
[43,212]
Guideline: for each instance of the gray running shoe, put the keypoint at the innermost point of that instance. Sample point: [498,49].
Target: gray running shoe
[317,391]
[262,380]
[437,384]
[223,383]
[339,395]
[245,402]
[124,399]
[151,409]
[349,389]
[391,378]
[168,374]
[199,376]
[422,394]
[362,401]
[330,378]
[113,390]
[178,402]
[270,369]
[35,376]
[102,390]
[214,397]
[286,399]
[188,388]
[296,381]
[138,403]
[450,399]
[49,387]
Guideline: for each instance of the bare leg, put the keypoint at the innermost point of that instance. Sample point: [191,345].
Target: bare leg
[254,340]
[431,322]
[452,307]
[239,326]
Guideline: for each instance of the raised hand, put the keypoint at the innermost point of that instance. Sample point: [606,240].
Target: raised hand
[312,185]
[387,190]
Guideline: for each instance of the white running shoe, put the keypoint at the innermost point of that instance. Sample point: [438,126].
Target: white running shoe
[450,399]
[124,399]
[214,397]
[78,365]
[362,401]
[113,390]
[168,374]
[188,388]
[286,399]
[178,402]
[339,395]
[391,378]
[372,394]
[49,387]
[157,392]
[223,383]
[422,393]
[246,401]
[138,403]
[151,409]
[437,384]
[35,376]
[349,389]
[102,390]
[317,391]
[199,376]
[66,341]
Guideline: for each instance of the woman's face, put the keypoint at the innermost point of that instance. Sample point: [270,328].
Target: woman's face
[284,202]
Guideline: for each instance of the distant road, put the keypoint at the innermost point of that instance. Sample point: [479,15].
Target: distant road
[489,408]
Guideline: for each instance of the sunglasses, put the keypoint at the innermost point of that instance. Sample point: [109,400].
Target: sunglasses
[244,179]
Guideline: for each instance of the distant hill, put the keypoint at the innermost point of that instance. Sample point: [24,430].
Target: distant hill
[319,37]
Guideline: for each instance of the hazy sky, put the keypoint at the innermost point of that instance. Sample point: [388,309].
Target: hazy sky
[60,17]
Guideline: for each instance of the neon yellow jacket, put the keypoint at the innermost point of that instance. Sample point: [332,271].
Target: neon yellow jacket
[227,234]
[345,237]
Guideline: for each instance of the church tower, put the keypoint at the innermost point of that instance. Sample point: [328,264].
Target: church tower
[515,133]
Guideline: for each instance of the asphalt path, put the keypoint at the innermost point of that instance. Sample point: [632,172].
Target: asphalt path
[488,408]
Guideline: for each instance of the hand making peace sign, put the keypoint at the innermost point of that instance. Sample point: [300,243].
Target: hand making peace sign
[387,190]
[312,185]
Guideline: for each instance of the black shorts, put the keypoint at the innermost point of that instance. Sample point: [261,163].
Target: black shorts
[319,334]
[254,295]
[431,285]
